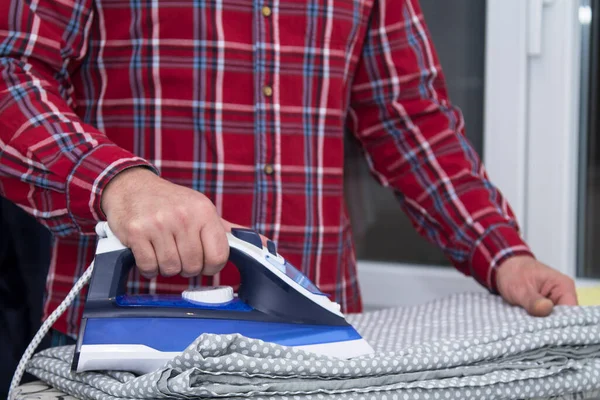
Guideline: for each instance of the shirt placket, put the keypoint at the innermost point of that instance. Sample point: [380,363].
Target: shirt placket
[264,94]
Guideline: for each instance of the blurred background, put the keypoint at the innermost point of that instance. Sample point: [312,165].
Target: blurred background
[525,74]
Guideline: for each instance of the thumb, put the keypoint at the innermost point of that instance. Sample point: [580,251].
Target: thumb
[229,225]
[536,304]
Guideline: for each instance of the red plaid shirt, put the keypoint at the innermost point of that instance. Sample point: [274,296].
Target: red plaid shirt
[247,102]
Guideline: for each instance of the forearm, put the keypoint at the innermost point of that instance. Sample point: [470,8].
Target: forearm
[442,186]
[51,163]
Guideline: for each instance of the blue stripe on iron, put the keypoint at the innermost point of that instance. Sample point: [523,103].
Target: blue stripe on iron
[175,334]
[176,301]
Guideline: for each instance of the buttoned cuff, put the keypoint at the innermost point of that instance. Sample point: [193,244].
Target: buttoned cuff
[89,177]
[500,242]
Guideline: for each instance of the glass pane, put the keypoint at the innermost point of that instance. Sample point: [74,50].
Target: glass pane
[589,183]
[382,231]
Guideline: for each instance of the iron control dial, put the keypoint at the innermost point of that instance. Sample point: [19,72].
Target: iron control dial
[209,294]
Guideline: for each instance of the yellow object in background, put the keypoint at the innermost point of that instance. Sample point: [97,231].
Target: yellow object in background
[589,296]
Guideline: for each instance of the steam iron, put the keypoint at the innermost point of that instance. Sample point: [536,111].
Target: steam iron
[140,333]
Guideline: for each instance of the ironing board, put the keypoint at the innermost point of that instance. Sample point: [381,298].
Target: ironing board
[41,391]
[453,337]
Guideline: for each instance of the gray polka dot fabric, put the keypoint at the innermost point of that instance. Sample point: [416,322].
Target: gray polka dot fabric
[467,346]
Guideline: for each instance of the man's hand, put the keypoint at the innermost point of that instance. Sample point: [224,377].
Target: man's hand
[536,287]
[170,229]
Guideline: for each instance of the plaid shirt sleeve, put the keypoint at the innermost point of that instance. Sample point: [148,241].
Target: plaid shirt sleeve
[414,142]
[51,163]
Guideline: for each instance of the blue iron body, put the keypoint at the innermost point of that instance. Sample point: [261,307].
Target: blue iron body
[275,303]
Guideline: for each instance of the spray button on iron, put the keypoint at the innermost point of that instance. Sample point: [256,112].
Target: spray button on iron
[272,248]
[247,235]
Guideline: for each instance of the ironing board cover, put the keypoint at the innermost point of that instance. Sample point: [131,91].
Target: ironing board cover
[42,391]
[467,346]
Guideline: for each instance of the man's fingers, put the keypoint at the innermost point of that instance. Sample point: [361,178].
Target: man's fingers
[541,307]
[560,289]
[536,287]
[216,248]
[565,295]
[145,258]
[190,250]
[567,299]
[263,239]
[228,225]
[530,298]
[169,263]
[535,303]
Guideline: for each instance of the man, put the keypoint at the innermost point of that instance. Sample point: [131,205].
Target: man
[174,120]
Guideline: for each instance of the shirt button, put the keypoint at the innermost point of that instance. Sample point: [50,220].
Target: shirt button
[269,169]
[266,11]
[268,91]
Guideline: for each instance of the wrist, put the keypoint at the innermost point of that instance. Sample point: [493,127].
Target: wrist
[500,242]
[516,260]
[123,182]
[510,266]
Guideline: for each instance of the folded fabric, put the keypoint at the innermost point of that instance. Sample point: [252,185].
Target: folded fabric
[467,346]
